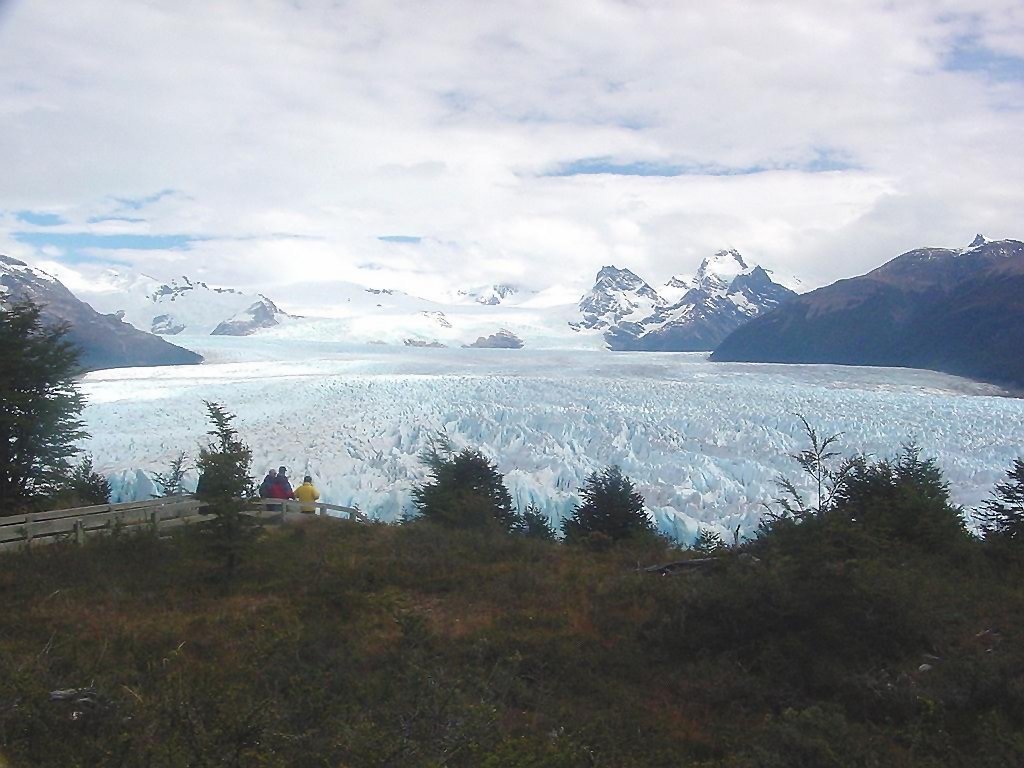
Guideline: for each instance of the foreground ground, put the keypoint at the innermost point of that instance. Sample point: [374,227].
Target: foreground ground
[339,644]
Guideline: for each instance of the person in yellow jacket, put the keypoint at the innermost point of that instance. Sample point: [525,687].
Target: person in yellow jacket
[307,494]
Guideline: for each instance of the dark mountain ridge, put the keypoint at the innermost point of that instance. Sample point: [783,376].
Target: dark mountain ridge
[959,311]
[104,340]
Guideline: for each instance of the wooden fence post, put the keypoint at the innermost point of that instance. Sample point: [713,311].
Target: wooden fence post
[29,519]
[79,532]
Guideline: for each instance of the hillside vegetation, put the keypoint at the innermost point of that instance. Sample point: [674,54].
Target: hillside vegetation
[343,644]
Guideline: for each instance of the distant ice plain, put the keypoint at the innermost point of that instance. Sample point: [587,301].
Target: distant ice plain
[704,442]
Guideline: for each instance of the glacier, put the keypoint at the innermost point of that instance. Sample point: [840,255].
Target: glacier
[704,442]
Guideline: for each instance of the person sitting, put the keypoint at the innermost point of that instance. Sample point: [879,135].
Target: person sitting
[268,483]
[307,494]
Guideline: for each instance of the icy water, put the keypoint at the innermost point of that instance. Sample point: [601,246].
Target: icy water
[704,442]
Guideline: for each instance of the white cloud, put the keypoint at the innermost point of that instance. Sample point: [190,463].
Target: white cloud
[294,134]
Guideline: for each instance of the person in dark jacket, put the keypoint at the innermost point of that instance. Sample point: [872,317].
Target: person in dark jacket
[268,483]
[282,489]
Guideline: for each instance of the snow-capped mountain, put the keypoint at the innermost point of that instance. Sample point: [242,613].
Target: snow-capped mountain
[618,295]
[675,287]
[691,314]
[181,305]
[104,341]
[957,310]
[489,295]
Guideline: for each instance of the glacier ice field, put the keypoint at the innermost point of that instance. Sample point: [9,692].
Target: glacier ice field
[704,442]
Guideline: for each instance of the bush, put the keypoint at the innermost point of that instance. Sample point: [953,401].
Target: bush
[1003,515]
[903,501]
[88,486]
[612,508]
[536,525]
[224,483]
[467,491]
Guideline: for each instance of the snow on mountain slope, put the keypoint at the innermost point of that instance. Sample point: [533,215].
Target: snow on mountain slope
[490,295]
[676,287]
[704,443]
[724,294]
[103,341]
[718,271]
[179,305]
[618,295]
[619,303]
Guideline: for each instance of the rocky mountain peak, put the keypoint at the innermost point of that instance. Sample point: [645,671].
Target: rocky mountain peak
[617,293]
[719,270]
[489,295]
[104,341]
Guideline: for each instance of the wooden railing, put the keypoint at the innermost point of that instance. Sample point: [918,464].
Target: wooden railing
[55,525]
[76,524]
[291,506]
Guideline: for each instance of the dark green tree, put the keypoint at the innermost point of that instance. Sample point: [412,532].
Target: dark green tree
[536,525]
[904,500]
[467,491]
[39,421]
[225,484]
[1003,515]
[171,482]
[86,485]
[709,542]
[611,508]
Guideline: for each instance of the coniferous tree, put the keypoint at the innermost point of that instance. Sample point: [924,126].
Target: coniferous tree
[611,508]
[904,500]
[467,490]
[224,484]
[709,542]
[39,421]
[171,482]
[536,524]
[1003,515]
[86,485]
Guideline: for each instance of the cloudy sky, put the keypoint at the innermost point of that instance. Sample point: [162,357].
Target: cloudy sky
[423,144]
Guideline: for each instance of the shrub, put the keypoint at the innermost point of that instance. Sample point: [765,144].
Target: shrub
[467,491]
[171,481]
[87,485]
[611,508]
[536,524]
[904,501]
[224,482]
[709,542]
[1003,515]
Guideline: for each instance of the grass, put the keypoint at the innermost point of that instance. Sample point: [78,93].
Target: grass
[340,644]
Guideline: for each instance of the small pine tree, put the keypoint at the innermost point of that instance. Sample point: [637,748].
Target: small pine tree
[1003,514]
[39,421]
[86,485]
[171,482]
[612,508]
[536,524]
[709,542]
[467,490]
[224,484]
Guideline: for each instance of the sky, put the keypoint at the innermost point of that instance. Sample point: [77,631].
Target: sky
[431,144]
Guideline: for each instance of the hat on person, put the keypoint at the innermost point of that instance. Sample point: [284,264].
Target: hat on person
[282,470]
[307,479]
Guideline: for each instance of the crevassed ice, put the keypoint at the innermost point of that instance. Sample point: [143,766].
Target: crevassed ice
[704,442]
